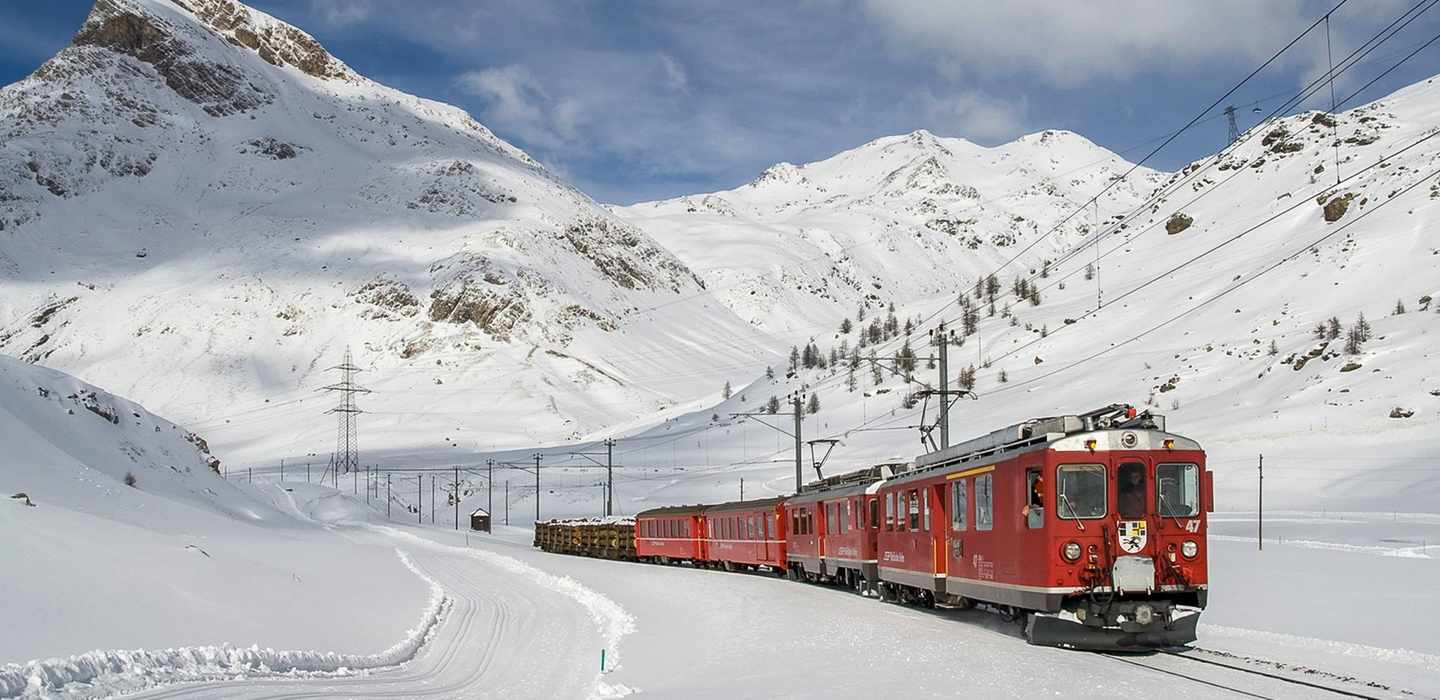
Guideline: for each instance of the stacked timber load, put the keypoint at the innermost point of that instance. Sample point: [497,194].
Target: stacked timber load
[605,538]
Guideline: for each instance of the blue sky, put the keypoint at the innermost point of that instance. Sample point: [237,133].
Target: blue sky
[643,100]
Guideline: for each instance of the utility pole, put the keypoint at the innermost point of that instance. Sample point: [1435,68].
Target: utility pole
[1230,117]
[307,472]
[457,499]
[490,487]
[798,412]
[609,476]
[1260,516]
[369,481]
[282,471]
[799,409]
[419,501]
[347,443]
[432,498]
[537,487]
[387,495]
[507,501]
[942,340]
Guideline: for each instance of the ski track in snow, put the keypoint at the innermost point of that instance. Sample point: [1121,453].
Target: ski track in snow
[469,639]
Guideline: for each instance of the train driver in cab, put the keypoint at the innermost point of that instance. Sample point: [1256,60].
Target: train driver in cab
[1034,509]
[1132,490]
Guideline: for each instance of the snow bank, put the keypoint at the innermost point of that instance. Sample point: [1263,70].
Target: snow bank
[123,671]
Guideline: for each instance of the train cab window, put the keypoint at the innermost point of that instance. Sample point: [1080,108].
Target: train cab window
[771,525]
[890,511]
[1034,509]
[1177,490]
[925,510]
[875,514]
[1131,490]
[1080,491]
[959,505]
[984,502]
[914,500]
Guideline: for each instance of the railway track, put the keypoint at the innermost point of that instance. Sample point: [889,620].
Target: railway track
[1276,672]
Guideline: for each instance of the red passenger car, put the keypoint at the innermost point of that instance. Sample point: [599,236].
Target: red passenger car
[746,534]
[670,534]
[833,526]
[1092,525]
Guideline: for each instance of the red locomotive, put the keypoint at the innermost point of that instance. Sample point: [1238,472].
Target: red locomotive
[1090,527]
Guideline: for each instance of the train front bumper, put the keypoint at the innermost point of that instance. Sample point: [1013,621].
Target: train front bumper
[1056,631]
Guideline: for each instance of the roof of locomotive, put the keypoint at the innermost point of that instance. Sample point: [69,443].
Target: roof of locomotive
[1136,439]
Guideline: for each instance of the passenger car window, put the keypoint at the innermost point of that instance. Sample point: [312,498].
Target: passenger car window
[914,499]
[1177,489]
[984,485]
[1080,491]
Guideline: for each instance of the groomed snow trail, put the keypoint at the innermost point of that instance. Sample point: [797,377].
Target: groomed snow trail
[497,628]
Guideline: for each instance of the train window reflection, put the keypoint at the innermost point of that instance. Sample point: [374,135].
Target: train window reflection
[1131,490]
[984,516]
[1177,490]
[1080,491]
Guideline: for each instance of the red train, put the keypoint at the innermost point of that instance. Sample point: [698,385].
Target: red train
[1089,527]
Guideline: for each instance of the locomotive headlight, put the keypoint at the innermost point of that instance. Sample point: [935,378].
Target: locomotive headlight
[1144,614]
[1071,551]
[1189,549]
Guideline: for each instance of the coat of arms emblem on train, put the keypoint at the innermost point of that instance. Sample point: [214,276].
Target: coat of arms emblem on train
[1132,535]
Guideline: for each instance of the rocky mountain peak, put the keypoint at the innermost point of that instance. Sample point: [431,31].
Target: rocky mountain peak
[178,37]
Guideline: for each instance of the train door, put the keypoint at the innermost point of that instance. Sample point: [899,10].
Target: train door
[767,534]
[938,516]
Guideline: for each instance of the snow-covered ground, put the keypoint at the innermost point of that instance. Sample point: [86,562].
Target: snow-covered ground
[522,623]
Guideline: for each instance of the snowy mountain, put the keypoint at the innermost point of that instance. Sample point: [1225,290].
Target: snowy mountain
[1211,296]
[203,208]
[898,218]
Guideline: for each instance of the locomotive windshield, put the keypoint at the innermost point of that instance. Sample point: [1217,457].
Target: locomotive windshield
[1178,490]
[1081,491]
[1132,490]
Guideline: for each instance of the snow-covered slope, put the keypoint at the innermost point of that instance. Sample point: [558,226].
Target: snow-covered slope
[896,219]
[202,208]
[119,533]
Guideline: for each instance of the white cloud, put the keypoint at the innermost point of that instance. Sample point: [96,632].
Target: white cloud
[1074,43]
[341,13]
[970,114]
[516,102]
